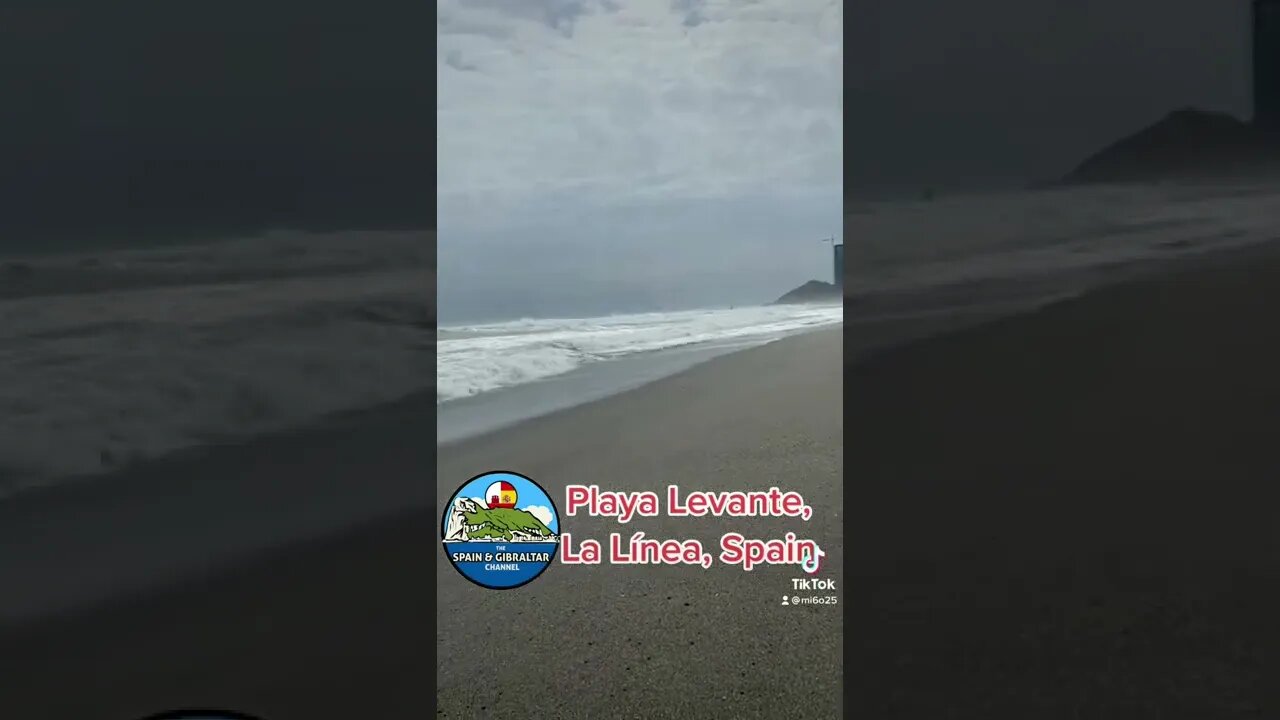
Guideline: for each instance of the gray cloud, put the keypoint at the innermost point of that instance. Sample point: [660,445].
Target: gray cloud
[560,15]
[957,93]
[149,119]
[453,59]
[659,155]
[636,104]
[690,10]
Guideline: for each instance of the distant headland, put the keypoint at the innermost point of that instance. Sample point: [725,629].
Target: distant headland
[1187,144]
[814,291]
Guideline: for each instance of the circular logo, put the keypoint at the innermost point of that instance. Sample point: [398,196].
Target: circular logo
[500,530]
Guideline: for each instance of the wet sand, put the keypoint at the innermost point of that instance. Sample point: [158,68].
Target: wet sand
[284,577]
[290,577]
[674,641]
[1072,514]
[1065,514]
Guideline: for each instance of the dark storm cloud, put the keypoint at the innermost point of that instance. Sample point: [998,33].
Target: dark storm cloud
[161,117]
[957,93]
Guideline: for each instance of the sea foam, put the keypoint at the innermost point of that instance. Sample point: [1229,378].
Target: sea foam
[481,358]
[293,328]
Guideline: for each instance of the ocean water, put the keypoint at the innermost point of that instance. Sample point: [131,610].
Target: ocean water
[112,358]
[493,374]
[474,359]
[921,268]
[1047,242]
[914,268]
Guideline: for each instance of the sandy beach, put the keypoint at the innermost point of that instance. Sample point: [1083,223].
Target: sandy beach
[662,642]
[283,577]
[288,576]
[1063,514]
[1070,513]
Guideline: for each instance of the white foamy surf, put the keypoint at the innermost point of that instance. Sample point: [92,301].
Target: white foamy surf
[178,347]
[476,359]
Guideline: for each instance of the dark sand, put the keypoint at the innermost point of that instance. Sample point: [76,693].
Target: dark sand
[287,577]
[614,641]
[1073,514]
[290,577]
[1070,514]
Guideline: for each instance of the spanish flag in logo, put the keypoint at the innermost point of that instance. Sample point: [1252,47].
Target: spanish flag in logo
[501,494]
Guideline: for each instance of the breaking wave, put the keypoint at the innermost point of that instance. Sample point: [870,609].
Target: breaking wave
[480,358]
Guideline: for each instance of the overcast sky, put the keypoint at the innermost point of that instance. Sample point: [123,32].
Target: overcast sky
[943,92]
[613,155]
[150,118]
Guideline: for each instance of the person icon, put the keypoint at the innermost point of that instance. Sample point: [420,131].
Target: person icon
[784,600]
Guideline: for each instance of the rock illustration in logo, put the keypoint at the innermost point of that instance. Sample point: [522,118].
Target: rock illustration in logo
[500,530]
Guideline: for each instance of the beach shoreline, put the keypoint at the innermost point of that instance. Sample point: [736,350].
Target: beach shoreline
[1065,513]
[126,496]
[149,351]
[144,588]
[764,416]
[464,418]
[933,508]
